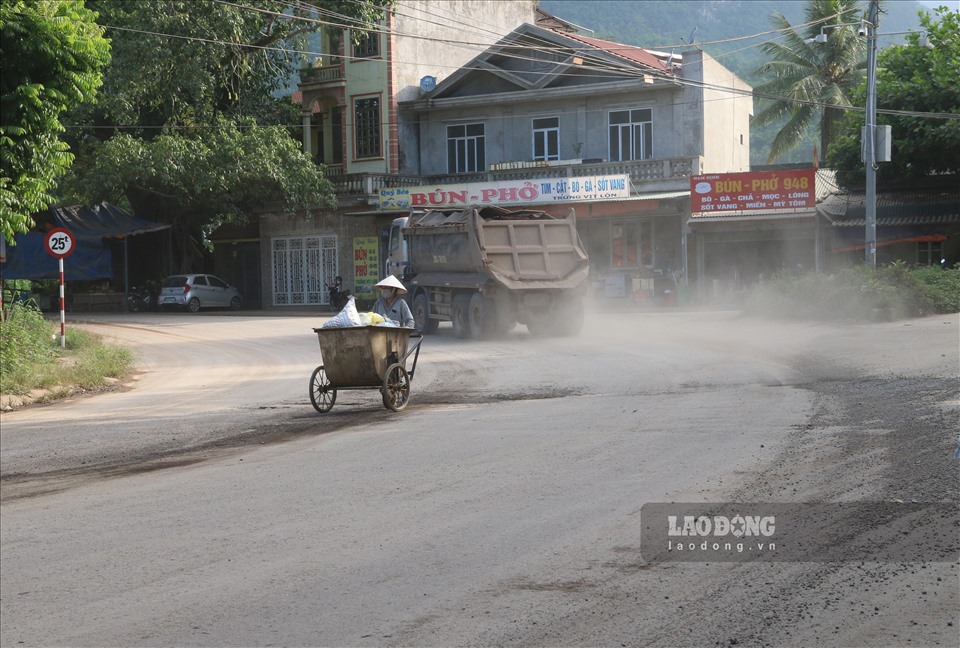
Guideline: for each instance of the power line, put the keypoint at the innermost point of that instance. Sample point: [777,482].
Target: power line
[620,70]
[655,74]
[470,27]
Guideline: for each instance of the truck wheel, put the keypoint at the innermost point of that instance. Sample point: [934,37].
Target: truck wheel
[482,315]
[421,315]
[460,316]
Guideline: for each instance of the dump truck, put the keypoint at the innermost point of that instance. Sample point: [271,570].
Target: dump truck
[487,269]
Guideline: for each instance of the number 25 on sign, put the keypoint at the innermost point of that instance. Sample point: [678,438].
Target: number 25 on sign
[59,243]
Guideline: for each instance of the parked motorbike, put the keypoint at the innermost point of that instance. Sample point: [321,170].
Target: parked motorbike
[141,299]
[338,296]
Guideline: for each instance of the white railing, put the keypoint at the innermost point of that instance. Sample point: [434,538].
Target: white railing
[320,74]
[640,172]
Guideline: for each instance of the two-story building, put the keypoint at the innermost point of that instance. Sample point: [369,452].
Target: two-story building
[550,107]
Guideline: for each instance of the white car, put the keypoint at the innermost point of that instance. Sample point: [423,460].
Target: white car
[196,291]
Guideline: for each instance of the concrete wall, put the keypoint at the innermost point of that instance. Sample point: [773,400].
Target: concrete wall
[689,119]
[583,126]
[320,223]
[713,122]
[429,38]
[449,34]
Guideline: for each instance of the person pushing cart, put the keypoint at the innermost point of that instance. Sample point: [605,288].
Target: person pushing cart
[390,304]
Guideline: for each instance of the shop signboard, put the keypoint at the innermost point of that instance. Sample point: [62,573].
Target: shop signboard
[366,265]
[791,190]
[508,192]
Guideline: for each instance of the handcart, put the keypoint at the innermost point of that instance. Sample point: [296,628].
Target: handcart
[365,357]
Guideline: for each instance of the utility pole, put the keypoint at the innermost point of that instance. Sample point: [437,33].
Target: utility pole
[870,137]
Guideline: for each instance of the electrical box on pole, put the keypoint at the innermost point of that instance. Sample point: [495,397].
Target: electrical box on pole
[882,143]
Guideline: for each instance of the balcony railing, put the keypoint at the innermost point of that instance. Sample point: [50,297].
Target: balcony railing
[644,175]
[321,74]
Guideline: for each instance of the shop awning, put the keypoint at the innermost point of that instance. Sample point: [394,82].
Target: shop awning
[379,212]
[759,217]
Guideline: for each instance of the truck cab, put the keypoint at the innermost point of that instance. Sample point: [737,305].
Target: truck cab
[397,253]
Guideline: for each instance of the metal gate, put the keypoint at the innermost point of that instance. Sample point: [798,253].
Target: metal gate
[302,269]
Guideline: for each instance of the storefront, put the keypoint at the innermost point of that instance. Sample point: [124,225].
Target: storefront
[730,254]
[635,246]
[744,228]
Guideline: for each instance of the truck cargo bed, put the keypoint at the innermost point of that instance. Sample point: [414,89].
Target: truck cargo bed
[523,249]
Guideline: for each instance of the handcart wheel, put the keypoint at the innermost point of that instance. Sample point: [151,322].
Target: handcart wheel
[322,393]
[396,388]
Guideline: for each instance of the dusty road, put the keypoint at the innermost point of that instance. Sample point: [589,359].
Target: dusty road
[501,508]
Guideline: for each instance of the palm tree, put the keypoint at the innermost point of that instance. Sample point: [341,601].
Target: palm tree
[809,80]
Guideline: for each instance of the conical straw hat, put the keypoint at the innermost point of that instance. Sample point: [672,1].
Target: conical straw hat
[392,282]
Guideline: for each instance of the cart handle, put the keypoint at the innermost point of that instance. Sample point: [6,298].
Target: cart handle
[416,347]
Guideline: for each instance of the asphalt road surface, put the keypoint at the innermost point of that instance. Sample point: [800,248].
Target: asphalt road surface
[205,503]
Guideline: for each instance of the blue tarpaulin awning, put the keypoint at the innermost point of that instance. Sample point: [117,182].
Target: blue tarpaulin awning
[29,259]
[91,258]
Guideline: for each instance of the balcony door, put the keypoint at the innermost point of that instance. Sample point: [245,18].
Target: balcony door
[631,135]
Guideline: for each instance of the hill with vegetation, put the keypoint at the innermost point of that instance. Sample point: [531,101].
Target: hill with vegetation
[729,30]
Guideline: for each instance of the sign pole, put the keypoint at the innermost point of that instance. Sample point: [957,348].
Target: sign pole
[63,318]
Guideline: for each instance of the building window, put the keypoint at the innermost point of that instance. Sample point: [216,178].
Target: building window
[929,253]
[465,149]
[368,46]
[302,268]
[546,138]
[631,135]
[366,119]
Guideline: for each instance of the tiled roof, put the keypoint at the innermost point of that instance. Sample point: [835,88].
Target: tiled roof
[629,52]
[901,221]
[934,205]
[297,98]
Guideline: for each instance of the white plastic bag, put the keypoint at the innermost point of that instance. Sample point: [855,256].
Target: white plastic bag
[346,318]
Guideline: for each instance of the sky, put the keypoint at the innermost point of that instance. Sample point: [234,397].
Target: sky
[952,4]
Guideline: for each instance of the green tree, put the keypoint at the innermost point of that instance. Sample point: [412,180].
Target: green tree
[910,79]
[189,130]
[183,62]
[811,82]
[207,177]
[51,53]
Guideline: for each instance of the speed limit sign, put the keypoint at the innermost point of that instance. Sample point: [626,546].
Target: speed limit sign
[59,243]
